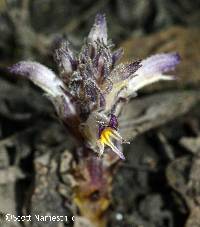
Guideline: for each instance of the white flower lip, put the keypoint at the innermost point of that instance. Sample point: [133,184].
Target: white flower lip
[40,75]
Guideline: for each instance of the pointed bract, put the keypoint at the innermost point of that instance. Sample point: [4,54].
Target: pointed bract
[65,59]
[124,71]
[99,29]
[116,56]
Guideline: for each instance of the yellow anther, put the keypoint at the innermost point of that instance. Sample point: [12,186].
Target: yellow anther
[105,139]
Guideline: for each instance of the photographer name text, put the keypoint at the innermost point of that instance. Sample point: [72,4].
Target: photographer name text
[39,218]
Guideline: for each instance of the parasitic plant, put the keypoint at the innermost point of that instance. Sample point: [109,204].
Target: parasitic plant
[88,95]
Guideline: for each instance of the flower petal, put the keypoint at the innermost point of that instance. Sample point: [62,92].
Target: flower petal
[160,63]
[40,75]
[99,29]
[152,70]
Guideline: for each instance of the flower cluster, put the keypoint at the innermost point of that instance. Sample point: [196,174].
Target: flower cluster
[91,87]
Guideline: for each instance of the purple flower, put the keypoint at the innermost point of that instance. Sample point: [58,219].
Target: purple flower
[91,88]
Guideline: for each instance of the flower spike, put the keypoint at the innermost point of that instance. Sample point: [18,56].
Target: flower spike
[91,88]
